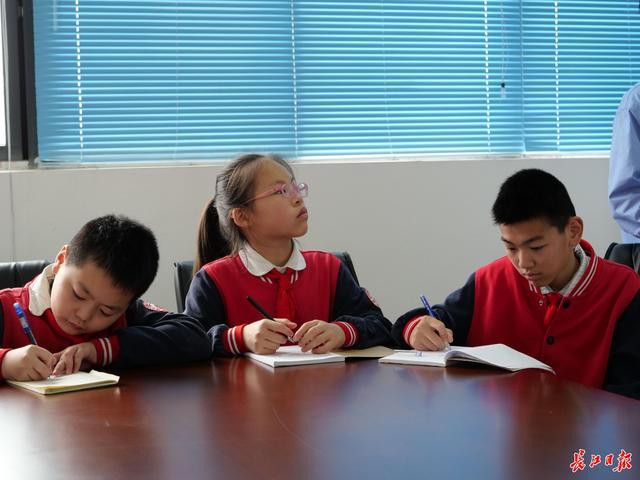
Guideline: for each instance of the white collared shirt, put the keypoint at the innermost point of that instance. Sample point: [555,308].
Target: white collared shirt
[583,260]
[259,266]
[40,291]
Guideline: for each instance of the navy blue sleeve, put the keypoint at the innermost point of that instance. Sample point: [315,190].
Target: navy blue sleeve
[623,369]
[204,304]
[155,337]
[456,313]
[353,305]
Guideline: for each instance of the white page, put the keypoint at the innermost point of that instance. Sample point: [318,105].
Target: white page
[293,355]
[498,355]
[503,356]
[436,359]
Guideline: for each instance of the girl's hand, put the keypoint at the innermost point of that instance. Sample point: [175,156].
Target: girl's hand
[319,336]
[265,336]
[75,357]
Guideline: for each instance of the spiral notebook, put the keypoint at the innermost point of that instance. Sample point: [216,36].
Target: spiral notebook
[68,383]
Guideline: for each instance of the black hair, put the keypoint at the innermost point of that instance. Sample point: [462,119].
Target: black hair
[125,249]
[218,235]
[533,194]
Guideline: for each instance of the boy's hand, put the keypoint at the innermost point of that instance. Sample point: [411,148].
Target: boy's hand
[27,363]
[319,336]
[265,336]
[75,357]
[430,334]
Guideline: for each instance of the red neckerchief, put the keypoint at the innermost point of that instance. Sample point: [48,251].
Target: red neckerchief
[285,307]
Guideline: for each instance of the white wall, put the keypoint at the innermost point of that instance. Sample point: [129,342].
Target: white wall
[411,227]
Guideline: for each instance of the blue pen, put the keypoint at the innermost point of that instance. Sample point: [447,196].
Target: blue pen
[25,323]
[431,313]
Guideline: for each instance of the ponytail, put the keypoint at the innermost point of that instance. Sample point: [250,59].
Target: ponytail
[211,244]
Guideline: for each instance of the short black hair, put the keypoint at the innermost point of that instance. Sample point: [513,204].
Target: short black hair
[124,248]
[533,194]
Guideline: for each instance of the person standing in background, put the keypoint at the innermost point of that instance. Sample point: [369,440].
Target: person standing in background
[624,166]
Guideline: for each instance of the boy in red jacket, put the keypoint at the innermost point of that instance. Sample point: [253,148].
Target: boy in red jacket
[550,297]
[83,310]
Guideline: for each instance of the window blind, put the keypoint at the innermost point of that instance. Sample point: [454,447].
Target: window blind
[393,77]
[155,80]
[578,59]
[158,80]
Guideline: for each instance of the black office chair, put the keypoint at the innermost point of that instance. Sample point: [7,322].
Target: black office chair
[625,253]
[16,274]
[183,274]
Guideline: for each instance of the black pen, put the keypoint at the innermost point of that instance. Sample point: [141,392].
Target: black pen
[259,308]
[264,312]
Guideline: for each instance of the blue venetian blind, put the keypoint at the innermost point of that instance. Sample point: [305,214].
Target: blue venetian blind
[387,77]
[578,59]
[153,80]
[159,80]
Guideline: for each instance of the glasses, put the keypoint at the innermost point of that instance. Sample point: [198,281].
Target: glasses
[287,190]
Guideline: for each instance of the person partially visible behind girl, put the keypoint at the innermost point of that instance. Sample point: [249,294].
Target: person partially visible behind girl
[247,248]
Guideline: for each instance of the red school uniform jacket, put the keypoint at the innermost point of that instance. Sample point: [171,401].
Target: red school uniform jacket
[592,334]
[323,290]
[577,340]
[143,335]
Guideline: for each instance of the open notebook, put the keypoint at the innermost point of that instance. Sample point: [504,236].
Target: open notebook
[68,383]
[498,355]
[292,355]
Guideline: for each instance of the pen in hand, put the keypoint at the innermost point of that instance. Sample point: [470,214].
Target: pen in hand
[259,308]
[431,313]
[25,326]
[25,323]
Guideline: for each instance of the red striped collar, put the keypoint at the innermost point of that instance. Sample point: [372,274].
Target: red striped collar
[585,280]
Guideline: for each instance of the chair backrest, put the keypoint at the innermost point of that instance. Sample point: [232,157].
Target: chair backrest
[16,274]
[625,253]
[345,258]
[183,274]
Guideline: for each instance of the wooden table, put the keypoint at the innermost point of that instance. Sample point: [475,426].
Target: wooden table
[238,419]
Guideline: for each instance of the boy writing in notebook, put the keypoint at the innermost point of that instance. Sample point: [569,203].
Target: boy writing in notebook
[83,310]
[551,296]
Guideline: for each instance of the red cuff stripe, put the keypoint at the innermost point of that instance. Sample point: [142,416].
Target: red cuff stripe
[233,340]
[3,352]
[350,333]
[99,346]
[408,328]
[107,350]
[226,339]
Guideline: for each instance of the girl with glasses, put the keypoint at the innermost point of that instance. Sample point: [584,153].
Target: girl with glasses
[247,248]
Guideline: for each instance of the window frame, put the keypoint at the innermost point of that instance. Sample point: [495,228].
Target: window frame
[19,80]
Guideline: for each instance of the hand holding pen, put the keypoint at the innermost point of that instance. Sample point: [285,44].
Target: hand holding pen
[265,336]
[24,323]
[430,333]
[30,362]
